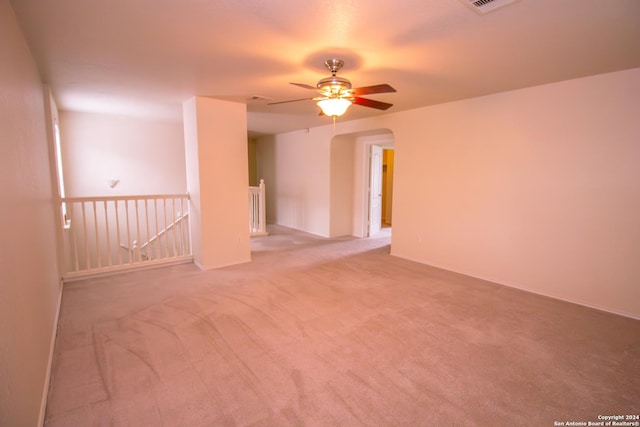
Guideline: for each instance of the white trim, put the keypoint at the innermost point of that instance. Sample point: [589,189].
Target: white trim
[203,268]
[569,300]
[108,271]
[52,345]
[385,140]
[572,301]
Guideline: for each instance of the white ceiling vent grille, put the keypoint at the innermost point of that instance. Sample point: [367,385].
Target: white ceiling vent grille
[485,6]
[259,98]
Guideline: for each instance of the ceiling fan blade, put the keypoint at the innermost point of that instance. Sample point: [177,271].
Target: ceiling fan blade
[291,100]
[371,103]
[367,90]
[306,86]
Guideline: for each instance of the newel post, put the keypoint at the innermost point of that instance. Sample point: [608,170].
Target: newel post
[262,209]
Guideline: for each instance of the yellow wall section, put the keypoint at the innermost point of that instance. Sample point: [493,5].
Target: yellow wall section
[387,185]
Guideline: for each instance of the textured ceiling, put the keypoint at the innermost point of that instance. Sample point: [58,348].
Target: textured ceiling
[145,57]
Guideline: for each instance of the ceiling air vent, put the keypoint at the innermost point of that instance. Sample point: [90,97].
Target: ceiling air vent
[259,98]
[485,6]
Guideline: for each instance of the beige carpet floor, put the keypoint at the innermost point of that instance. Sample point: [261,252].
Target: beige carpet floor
[332,332]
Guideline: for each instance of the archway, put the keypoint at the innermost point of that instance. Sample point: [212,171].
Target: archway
[350,180]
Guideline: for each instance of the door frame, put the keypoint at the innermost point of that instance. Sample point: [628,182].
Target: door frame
[386,143]
[374,225]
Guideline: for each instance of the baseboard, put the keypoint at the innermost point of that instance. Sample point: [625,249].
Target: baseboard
[213,267]
[508,285]
[572,301]
[90,274]
[47,380]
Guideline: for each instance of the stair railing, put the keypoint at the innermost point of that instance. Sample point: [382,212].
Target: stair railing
[97,229]
[257,210]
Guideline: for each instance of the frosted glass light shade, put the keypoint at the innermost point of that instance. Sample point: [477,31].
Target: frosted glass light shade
[334,106]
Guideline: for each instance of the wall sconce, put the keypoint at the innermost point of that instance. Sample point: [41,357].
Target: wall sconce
[111,183]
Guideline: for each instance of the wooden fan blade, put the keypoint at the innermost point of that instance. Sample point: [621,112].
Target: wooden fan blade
[306,86]
[371,103]
[291,100]
[367,90]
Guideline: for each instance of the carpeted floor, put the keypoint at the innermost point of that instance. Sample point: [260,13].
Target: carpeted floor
[324,332]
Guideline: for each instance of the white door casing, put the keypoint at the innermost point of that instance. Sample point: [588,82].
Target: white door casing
[375,190]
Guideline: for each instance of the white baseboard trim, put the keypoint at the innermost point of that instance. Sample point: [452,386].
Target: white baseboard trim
[90,274]
[206,268]
[572,301]
[508,285]
[47,380]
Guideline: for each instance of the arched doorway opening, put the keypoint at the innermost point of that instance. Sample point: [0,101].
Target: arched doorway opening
[361,190]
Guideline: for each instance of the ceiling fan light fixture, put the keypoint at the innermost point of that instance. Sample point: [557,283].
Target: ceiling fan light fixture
[336,93]
[334,106]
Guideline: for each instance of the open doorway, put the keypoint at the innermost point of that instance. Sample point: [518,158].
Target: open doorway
[387,186]
[350,182]
[380,189]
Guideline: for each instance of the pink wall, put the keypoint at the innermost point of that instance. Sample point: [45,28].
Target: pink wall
[536,188]
[296,170]
[29,297]
[342,185]
[145,155]
[215,134]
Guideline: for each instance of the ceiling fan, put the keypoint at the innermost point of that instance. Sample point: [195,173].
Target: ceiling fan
[336,93]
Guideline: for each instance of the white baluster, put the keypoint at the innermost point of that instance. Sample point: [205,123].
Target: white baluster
[95,226]
[173,216]
[106,226]
[262,208]
[146,217]
[166,241]
[130,254]
[138,257]
[118,233]
[155,220]
[87,260]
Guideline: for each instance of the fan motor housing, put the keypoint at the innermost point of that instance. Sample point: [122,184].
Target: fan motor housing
[334,84]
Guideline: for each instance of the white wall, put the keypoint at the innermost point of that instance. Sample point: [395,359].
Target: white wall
[218,180]
[146,155]
[30,289]
[342,185]
[296,170]
[316,181]
[536,188]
